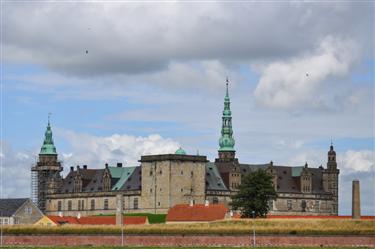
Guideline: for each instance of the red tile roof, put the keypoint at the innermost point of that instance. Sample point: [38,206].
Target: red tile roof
[63,220]
[98,220]
[111,220]
[198,212]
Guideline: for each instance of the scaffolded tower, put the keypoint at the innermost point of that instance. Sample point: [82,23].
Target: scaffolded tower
[46,178]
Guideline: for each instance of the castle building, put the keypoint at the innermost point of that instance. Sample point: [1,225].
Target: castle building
[162,181]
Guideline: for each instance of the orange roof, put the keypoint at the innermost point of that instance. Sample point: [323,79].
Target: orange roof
[198,212]
[63,220]
[98,220]
[111,220]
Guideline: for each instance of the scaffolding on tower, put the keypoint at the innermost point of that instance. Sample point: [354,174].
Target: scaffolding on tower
[34,186]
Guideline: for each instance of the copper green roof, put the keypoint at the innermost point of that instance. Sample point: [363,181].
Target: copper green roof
[48,148]
[123,173]
[180,151]
[296,171]
[226,140]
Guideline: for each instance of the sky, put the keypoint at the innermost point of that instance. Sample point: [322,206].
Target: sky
[125,79]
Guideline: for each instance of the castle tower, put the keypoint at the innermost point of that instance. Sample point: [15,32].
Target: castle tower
[47,170]
[226,141]
[331,178]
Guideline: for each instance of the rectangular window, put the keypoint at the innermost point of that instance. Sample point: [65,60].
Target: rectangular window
[59,204]
[79,204]
[215,200]
[135,203]
[70,205]
[6,221]
[317,206]
[82,204]
[270,204]
[289,204]
[93,204]
[105,204]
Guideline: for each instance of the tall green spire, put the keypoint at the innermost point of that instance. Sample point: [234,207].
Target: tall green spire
[226,140]
[48,147]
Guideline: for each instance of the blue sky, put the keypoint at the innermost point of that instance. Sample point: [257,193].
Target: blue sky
[151,84]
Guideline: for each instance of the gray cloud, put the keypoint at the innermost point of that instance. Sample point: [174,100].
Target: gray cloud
[130,38]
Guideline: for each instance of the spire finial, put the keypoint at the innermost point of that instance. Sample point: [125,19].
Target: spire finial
[227,82]
[49,117]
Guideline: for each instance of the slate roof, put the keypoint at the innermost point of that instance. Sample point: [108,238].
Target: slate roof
[288,177]
[96,183]
[134,180]
[9,206]
[214,180]
[198,212]
[93,179]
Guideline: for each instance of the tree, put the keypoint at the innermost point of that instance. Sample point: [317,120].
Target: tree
[254,193]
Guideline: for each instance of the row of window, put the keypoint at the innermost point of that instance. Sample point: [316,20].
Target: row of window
[81,205]
[289,205]
[182,173]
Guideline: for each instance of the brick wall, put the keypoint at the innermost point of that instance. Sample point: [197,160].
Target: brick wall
[189,240]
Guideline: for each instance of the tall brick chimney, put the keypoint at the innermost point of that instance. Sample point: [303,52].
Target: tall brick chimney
[356,200]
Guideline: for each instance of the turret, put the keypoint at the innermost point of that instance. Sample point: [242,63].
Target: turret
[47,170]
[331,178]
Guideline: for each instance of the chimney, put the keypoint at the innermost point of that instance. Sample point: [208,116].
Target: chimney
[271,163]
[71,168]
[356,200]
[85,166]
[106,165]
[78,167]
[206,203]
[119,165]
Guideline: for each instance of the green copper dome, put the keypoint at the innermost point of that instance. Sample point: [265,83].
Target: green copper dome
[180,151]
[226,140]
[48,148]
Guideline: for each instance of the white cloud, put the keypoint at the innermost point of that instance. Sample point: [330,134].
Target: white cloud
[357,161]
[291,83]
[95,151]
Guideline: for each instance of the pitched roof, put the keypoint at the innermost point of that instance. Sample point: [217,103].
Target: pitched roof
[133,182]
[214,180]
[9,206]
[122,174]
[63,220]
[198,212]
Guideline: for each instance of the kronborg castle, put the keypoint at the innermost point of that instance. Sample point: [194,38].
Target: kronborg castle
[162,181]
